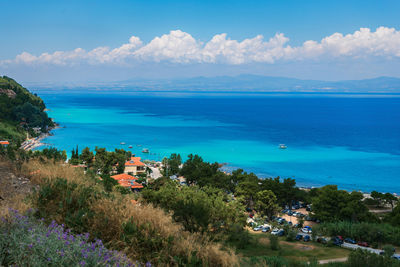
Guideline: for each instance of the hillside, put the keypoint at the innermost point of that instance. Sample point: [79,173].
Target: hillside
[20,112]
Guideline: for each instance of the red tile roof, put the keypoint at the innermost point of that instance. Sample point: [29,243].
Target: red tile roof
[134,161]
[7,143]
[124,176]
[131,184]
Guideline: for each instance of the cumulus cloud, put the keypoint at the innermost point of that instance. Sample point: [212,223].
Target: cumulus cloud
[181,47]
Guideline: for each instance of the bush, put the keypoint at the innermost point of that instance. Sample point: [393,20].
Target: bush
[363,258]
[25,241]
[291,235]
[274,242]
[373,233]
[143,232]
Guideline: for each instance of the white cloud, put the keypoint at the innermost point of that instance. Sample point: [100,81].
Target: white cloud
[180,47]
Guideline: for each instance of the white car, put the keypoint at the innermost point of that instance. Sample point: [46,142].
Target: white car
[258,228]
[306,230]
[275,232]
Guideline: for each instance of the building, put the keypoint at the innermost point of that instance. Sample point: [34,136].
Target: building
[127,181]
[4,143]
[37,130]
[134,166]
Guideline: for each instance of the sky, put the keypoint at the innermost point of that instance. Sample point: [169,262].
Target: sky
[87,41]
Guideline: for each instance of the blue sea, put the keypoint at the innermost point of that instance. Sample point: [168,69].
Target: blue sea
[352,141]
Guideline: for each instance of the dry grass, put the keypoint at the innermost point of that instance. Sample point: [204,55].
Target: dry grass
[159,239]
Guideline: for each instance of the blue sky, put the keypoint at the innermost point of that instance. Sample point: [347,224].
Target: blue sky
[37,27]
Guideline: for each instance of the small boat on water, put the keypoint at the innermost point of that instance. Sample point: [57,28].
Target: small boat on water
[282,146]
[145,150]
[130,146]
[122,143]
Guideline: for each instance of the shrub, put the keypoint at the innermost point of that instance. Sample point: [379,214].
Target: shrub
[291,235]
[26,241]
[274,242]
[142,232]
[363,258]
[373,233]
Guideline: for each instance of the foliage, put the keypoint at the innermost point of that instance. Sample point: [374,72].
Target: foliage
[274,242]
[370,232]
[143,232]
[266,203]
[171,165]
[198,209]
[394,217]
[26,241]
[20,111]
[285,191]
[364,258]
[332,204]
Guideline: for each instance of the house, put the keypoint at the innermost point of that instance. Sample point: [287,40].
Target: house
[37,130]
[4,143]
[134,166]
[127,181]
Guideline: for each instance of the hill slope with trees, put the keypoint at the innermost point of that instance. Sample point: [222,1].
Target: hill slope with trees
[20,112]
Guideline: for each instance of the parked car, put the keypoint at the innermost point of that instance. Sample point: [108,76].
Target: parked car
[278,232]
[306,230]
[275,232]
[362,244]
[338,240]
[266,229]
[306,238]
[281,221]
[322,240]
[290,213]
[396,257]
[299,237]
[258,228]
[349,240]
[281,233]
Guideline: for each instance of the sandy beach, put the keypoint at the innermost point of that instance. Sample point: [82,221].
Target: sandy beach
[36,142]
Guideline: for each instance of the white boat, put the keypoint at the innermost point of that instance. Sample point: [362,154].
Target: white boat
[282,146]
[145,150]
[130,146]
[122,143]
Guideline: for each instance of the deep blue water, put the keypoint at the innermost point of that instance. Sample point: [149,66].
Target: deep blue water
[353,142]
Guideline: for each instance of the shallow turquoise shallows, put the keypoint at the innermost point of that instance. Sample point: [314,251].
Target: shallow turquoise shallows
[352,141]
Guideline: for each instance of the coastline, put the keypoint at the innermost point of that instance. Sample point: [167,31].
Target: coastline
[33,143]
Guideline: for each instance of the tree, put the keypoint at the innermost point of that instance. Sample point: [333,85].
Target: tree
[198,209]
[266,203]
[377,196]
[87,157]
[390,199]
[332,204]
[247,190]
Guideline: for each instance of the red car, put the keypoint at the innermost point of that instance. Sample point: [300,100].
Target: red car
[362,244]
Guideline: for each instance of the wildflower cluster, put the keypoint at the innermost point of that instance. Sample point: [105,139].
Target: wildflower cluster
[26,241]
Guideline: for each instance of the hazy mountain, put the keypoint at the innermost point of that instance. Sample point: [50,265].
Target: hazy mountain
[248,83]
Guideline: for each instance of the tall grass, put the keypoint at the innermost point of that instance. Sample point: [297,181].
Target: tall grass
[142,232]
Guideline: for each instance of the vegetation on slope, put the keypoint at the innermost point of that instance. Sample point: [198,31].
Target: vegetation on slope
[20,111]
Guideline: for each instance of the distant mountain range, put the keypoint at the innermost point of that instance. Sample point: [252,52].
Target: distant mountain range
[241,83]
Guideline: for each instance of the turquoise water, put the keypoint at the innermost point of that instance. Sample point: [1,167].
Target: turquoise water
[353,142]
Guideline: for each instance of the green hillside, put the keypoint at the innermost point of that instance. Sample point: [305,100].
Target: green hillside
[20,111]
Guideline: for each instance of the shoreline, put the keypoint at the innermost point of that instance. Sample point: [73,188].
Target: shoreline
[33,143]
